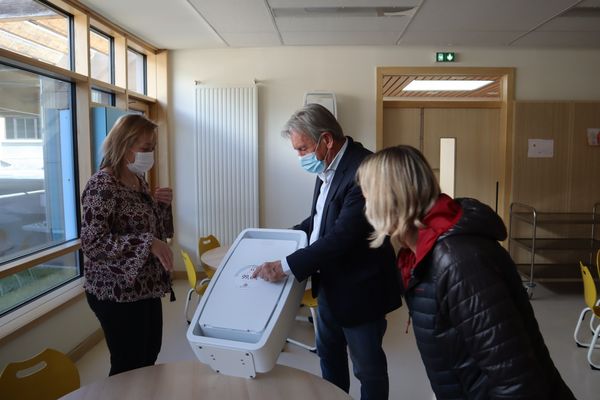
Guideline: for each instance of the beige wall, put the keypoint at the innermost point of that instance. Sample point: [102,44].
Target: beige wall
[63,330]
[567,182]
[284,74]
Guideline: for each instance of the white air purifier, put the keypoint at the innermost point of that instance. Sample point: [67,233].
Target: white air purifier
[240,325]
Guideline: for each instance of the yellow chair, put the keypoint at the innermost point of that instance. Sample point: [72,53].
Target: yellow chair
[198,287]
[46,376]
[311,302]
[580,343]
[590,295]
[204,244]
[592,320]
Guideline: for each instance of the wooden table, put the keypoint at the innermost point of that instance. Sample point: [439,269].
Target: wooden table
[213,257]
[193,380]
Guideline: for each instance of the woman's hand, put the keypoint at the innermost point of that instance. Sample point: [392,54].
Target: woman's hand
[163,195]
[163,252]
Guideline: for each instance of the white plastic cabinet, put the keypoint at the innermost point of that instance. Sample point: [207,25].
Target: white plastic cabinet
[240,324]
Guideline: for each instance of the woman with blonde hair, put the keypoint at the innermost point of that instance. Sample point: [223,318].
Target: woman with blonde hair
[472,319]
[123,233]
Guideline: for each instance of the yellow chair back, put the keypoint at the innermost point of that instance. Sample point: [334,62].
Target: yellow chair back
[308,300]
[589,289]
[206,243]
[189,268]
[46,376]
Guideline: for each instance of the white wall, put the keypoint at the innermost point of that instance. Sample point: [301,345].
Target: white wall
[284,74]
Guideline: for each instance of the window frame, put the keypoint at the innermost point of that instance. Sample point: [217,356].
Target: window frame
[111,52]
[52,251]
[113,96]
[144,72]
[70,28]
[79,75]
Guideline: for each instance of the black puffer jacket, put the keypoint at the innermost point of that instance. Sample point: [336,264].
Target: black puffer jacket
[473,322]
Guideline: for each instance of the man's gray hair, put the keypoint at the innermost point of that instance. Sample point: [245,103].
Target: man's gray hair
[312,120]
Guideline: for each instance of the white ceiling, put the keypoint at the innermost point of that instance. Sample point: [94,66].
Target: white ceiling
[181,24]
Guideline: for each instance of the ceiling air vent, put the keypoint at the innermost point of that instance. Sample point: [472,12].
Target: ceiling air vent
[344,12]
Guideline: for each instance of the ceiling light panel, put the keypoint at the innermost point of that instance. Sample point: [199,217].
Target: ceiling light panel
[445,85]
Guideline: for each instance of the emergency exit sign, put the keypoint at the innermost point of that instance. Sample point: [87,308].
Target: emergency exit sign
[446,56]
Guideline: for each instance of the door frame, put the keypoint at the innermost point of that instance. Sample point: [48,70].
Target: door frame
[505,104]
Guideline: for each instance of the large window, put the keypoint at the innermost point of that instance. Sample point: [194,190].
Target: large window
[101,56]
[36,30]
[38,200]
[136,71]
[53,53]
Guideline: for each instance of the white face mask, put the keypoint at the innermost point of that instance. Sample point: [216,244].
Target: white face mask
[142,164]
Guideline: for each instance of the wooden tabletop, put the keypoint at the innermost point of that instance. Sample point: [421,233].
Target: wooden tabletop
[213,257]
[193,380]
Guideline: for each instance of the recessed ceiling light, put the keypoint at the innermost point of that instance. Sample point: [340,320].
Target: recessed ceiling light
[445,85]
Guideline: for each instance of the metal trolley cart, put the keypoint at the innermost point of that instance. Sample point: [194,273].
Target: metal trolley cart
[551,235]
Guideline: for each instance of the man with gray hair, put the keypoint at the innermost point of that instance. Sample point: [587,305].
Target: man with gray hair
[355,284]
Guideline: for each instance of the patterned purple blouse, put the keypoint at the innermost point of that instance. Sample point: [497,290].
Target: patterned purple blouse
[117,229]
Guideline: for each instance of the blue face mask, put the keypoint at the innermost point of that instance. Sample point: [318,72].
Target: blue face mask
[310,162]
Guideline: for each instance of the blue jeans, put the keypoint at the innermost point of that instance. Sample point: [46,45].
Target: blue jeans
[365,345]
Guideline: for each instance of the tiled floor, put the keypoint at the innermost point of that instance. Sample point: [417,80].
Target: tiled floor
[557,313]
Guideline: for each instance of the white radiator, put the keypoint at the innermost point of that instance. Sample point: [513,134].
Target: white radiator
[226,160]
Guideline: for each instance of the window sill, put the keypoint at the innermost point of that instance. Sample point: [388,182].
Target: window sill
[35,310]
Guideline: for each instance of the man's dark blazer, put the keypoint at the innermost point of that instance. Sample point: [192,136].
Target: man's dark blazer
[360,283]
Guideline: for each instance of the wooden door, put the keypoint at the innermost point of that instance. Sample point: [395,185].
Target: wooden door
[477,134]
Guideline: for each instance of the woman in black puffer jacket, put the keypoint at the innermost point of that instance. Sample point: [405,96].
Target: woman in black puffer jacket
[474,325]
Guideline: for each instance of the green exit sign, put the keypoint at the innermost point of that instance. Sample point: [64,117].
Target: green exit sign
[447,56]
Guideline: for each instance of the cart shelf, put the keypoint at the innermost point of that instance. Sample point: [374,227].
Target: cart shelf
[563,240]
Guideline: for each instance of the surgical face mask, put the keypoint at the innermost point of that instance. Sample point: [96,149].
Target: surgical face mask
[142,163]
[310,163]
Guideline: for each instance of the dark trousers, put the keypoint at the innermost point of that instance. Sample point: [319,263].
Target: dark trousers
[365,345]
[133,331]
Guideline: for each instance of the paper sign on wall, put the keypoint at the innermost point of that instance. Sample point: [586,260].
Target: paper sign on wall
[540,148]
[593,136]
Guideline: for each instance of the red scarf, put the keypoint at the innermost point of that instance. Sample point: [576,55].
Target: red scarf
[444,214]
